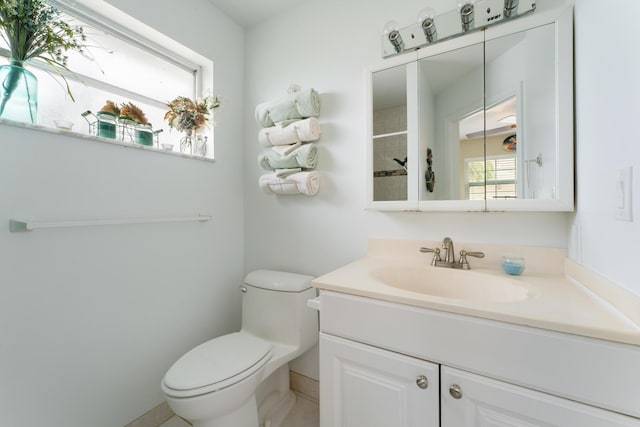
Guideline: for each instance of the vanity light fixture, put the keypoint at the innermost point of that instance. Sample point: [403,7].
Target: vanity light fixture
[510,8]
[392,33]
[466,15]
[469,16]
[426,21]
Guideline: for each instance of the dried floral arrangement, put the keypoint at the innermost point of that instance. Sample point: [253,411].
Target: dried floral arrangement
[111,107]
[128,110]
[191,116]
[133,112]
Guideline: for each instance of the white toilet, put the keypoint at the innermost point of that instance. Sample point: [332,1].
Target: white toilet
[242,379]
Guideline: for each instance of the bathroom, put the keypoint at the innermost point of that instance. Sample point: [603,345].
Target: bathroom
[92,319]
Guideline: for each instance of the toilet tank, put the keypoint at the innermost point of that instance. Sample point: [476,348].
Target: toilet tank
[274,307]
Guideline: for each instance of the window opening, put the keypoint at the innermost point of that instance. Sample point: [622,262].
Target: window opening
[125,67]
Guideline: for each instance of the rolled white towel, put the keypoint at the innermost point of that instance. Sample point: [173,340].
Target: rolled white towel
[285,150]
[296,105]
[305,156]
[303,182]
[298,131]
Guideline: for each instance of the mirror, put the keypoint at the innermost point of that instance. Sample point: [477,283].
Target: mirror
[450,88]
[521,67]
[390,156]
[493,122]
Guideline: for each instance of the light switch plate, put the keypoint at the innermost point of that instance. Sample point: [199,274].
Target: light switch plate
[623,195]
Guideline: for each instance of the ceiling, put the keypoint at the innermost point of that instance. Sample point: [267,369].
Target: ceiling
[249,12]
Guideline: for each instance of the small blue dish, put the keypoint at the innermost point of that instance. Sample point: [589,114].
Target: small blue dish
[513,265]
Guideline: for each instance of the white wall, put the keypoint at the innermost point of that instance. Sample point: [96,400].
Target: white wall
[91,318]
[607,111]
[327,45]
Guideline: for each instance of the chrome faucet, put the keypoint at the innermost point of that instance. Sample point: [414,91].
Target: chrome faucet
[450,257]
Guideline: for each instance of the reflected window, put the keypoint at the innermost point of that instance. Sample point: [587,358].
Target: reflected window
[500,173]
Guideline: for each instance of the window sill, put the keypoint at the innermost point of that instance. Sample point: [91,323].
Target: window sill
[5,122]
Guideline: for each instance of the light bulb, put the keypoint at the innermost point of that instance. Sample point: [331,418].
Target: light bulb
[466,9]
[390,27]
[510,8]
[392,33]
[426,21]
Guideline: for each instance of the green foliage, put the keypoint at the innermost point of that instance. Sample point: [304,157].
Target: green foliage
[34,29]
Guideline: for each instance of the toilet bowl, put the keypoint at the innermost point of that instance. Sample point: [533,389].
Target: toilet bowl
[215,384]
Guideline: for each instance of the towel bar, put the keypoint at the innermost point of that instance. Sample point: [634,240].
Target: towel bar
[19,225]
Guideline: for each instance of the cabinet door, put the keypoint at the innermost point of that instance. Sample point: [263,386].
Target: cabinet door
[470,400]
[364,386]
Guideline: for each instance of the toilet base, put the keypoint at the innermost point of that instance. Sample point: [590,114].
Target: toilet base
[275,417]
[244,416]
[275,398]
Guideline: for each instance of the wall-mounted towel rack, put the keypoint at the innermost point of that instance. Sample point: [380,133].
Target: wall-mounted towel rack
[18,225]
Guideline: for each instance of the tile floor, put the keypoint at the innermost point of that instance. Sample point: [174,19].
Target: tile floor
[305,413]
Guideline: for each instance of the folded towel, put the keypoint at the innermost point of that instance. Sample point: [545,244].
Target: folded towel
[285,134]
[297,105]
[283,150]
[303,182]
[305,156]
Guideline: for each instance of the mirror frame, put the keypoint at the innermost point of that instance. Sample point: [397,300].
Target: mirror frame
[562,19]
[411,204]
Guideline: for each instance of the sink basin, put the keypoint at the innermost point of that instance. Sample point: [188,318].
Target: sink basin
[450,283]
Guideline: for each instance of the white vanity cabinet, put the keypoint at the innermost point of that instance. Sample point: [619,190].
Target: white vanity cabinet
[480,372]
[367,386]
[470,400]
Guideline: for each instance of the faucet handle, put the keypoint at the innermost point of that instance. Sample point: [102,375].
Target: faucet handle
[464,264]
[473,254]
[436,254]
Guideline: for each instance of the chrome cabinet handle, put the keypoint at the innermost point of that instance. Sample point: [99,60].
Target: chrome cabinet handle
[422,382]
[243,289]
[455,391]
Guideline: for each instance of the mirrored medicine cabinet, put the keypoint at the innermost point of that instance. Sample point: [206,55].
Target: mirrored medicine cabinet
[482,122]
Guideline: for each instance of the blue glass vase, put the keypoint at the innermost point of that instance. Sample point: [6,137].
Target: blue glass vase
[18,93]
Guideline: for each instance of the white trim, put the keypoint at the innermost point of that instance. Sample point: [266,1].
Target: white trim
[124,33]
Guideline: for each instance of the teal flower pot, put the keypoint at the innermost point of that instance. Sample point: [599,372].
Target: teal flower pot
[18,94]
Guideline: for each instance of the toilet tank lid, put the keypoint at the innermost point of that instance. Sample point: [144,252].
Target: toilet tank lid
[278,280]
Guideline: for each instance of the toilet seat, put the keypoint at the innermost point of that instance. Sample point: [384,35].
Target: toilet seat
[216,364]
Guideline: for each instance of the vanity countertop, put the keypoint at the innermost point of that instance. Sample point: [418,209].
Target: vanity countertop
[557,301]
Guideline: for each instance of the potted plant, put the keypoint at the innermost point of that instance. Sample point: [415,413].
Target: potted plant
[32,29]
[190,117]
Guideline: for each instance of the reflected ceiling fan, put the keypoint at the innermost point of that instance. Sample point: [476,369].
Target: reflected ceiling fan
[489,132]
